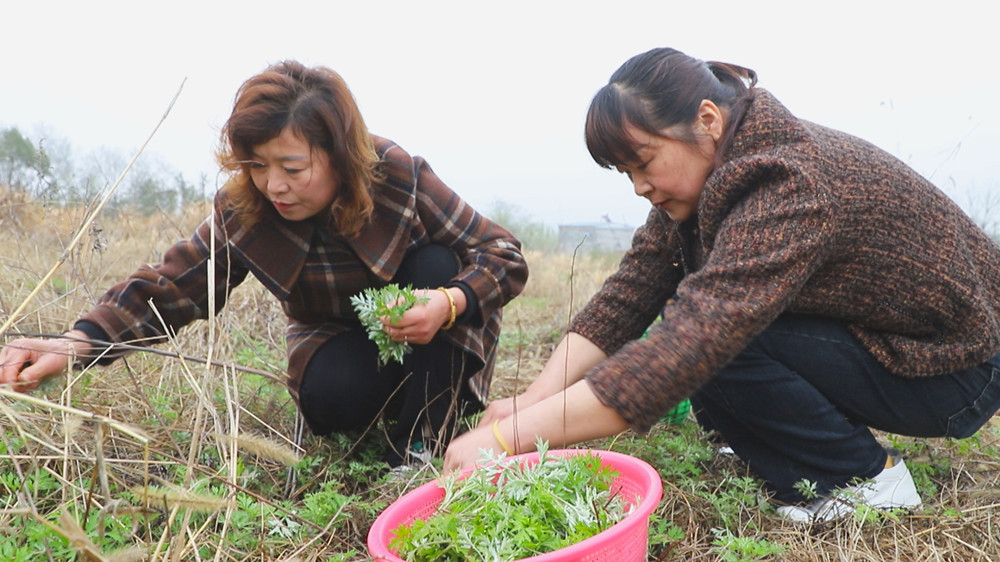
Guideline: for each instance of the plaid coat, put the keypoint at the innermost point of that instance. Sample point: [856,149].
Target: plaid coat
[800,219]
[303,265]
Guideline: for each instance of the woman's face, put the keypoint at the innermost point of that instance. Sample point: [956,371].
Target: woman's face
[672,173]
[297,180]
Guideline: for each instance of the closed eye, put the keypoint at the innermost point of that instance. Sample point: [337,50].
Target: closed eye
[641,166]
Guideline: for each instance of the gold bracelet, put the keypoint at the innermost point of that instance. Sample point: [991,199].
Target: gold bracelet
[451,301]
[501,440]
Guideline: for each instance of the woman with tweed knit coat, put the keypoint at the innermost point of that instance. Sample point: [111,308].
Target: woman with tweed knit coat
[318,210]
[810,285]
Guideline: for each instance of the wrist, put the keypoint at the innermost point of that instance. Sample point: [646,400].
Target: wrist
[78,343]
[451,310]
[501,440]
[539,390]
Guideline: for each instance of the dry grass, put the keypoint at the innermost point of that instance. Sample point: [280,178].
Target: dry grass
[184,438]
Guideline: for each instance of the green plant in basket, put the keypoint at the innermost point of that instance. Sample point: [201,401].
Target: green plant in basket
[506,509]
[372,305]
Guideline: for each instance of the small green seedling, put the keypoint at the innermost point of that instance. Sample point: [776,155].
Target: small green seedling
[372,305]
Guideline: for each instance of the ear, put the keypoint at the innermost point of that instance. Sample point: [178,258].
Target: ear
[711,120]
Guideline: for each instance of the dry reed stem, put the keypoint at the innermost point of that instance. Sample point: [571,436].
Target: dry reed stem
[261,447]
[124,428]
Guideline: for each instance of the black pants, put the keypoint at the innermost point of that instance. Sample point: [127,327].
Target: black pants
[798,403]
[344,388]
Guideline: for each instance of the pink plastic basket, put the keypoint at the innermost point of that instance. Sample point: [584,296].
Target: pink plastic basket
[625,541]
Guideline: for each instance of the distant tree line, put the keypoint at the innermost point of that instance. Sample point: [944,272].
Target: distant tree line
[46,171]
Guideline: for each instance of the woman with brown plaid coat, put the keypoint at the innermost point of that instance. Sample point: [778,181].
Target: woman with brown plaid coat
[318,210]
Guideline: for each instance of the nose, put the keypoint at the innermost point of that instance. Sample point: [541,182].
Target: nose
[641,187]
[275,182]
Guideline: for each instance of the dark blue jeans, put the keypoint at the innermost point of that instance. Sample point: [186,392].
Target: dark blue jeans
[798,403]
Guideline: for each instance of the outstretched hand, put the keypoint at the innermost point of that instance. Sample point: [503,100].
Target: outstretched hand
[25,363]
[466,450]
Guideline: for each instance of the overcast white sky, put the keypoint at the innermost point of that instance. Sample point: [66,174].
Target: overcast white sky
[494,94]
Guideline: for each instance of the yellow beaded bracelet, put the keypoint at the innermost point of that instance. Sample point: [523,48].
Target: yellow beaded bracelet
[500,439]
[451,301]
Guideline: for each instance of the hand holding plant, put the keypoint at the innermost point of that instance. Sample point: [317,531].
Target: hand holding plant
[390,301]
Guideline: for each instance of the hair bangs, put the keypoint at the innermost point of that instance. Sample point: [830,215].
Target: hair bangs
[611,112]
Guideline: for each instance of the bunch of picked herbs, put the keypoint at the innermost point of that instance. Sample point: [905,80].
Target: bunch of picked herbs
[506,509]
[373,304]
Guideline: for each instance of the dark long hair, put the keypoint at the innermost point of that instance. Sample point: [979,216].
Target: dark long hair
[658,90]
[316,104]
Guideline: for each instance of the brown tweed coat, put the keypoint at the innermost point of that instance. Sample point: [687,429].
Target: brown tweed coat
[800,219]
[306,268]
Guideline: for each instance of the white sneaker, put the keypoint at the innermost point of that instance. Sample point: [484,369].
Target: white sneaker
[891,488]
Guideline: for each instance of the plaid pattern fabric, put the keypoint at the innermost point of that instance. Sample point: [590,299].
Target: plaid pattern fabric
[313,271]
[803,219]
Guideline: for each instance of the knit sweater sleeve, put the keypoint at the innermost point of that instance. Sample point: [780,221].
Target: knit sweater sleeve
[162,298]
[628,303]
[762,249]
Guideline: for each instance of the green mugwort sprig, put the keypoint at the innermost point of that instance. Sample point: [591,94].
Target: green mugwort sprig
[506,509]
[373,304]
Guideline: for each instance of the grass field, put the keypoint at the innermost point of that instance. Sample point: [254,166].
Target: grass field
[165,456]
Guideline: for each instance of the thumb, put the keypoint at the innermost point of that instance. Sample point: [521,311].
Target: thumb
[27,379]
[42,368]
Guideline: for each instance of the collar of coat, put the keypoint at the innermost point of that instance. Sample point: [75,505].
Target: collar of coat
[275,250]
[755,156]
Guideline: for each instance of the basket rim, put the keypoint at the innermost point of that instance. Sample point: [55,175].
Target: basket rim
[651,486]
